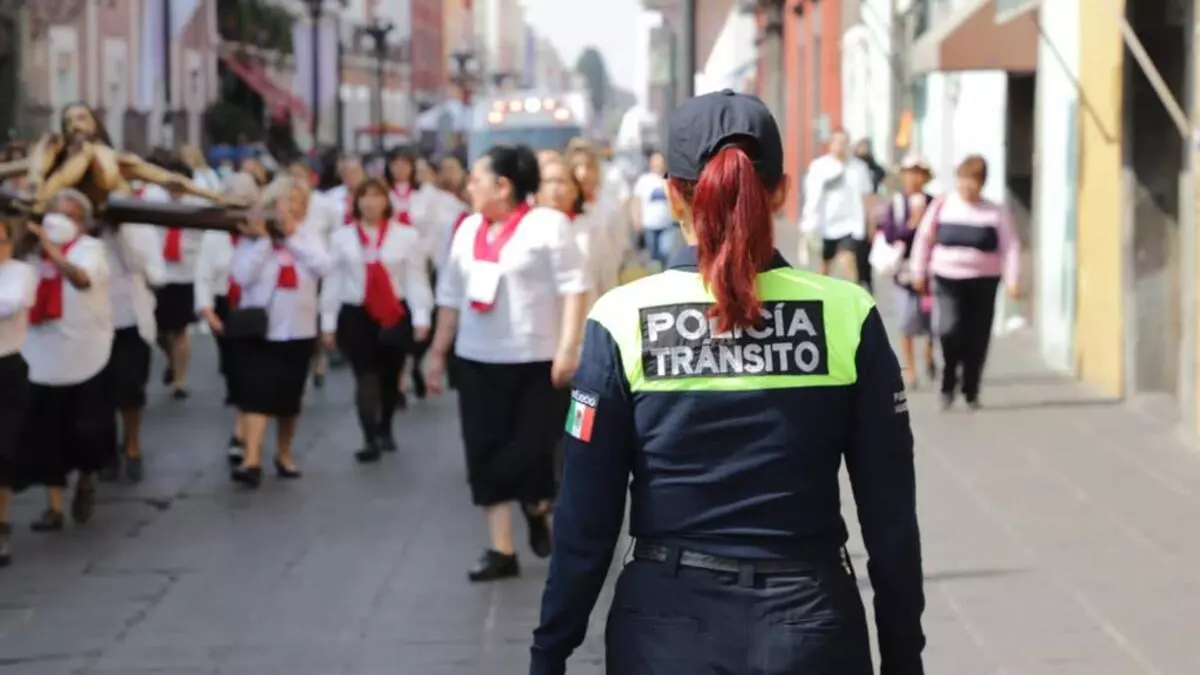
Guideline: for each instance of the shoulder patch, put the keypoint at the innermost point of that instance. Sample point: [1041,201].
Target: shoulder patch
[581,416]
[681,341]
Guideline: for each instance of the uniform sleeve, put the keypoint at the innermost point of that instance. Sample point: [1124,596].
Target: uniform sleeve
[205,289]
[330,301]
[18,297]
[310,252]
[566,260]
[249,260]
[452,280]
[879,461]
[92,258]
[591,502]
[416,283]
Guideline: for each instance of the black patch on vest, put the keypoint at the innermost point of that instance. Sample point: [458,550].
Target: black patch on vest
[680,341]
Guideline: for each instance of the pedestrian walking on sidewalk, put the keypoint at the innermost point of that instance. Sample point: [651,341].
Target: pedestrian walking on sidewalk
[965,246]
[731,386]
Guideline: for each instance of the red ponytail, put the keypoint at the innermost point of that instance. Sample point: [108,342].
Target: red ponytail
[731,216]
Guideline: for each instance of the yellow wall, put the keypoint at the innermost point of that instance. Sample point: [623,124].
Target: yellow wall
[1099,317]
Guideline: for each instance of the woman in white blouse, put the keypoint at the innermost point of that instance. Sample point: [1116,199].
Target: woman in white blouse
[376,303]
[18,286]
[514,290]
[608,218]
[71,425]
[277,276]
[561,190]
[217,294]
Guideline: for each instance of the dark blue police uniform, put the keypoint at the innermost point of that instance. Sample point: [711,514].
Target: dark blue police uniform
[734,442]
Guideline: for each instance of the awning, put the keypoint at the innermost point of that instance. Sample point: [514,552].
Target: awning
[279,101]
[974,37]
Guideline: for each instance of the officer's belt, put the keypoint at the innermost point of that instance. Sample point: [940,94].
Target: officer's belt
[704,561]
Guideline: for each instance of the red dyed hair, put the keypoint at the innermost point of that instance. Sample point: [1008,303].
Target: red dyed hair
[731,216]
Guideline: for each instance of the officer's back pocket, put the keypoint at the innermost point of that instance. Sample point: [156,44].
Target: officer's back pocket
[642,644]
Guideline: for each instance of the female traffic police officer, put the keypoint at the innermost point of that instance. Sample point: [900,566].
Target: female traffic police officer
[731,386]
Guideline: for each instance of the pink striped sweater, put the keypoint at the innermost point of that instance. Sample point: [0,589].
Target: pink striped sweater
[958,239]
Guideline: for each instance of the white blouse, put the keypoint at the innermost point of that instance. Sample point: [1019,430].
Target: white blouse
[292,313]
[601,262]
[135,259]
[539,265]
[18,286]
[182,271]
[403,257]
[212,269]
[76,347]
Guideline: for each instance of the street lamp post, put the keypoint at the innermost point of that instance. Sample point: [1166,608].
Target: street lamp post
[378,31]
[463,76]
[316,11]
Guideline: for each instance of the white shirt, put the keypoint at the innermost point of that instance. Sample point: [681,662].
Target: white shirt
[136,263]
[184,270]
[539,265]
[834,193]
[615,186]
[404,258]
[608,221]
[212,269]
[75,348]
[651,193]
[599,263]
[18,286]
[291,312]
[207,178]
[324,215]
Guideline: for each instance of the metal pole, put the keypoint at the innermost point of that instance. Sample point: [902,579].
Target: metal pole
[315,9]
[687,34]
[380,51]
[1174,110]
[168,132]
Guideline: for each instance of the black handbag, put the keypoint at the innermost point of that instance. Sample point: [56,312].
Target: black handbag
[248,323]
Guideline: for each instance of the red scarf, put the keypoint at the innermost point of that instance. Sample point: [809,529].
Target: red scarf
[490,251]
[402,201]
[458,223]
[48,303]
[288,279]
[348,216]
[234,295]
[173,246]
[379,297]
[572,215]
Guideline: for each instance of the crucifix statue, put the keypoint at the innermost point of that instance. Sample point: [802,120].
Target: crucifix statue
[81,156]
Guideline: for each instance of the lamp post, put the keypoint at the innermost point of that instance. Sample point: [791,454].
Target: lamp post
[463,72]
[316,11]
[378,32]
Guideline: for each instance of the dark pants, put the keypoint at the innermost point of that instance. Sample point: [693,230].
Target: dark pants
[669,620]
[862,259]
[964,310]
[377,364]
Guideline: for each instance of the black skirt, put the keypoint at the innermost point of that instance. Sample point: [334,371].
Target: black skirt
[512,420]
[175,307]
[130,366]
[272,375]
[227,354]
[68,428]
[14,403]
[359,338]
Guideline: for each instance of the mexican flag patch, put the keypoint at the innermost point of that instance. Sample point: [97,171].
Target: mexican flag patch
[582,415]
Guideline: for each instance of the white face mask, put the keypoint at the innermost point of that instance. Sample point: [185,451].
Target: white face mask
[59,229]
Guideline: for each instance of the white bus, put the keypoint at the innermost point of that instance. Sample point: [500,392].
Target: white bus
[541,120]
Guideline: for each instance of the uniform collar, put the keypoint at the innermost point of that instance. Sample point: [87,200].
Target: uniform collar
[687,259]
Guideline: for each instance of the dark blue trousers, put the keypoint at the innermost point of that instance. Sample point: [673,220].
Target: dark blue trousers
[670,620]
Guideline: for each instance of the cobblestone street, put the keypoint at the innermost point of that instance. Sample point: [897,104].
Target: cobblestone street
[1057,528]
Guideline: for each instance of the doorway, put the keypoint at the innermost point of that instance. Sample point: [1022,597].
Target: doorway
[1154,157]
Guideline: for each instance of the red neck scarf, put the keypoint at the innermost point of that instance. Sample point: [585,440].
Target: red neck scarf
[402,200]
[379,297]
[348,215]
[173,246]
[572,215]
[48,303]
[234,294]
[489,251]
[458,223]
[288,279]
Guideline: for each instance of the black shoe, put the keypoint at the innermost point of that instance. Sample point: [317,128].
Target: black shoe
[419,388]
[368,455]
[386,443]
[319,380]
[235,451]
[168,376]
[539,533]
[83,506]
[973,404]
[493,566]
[5,550]
[249,476]
[134,469]
[180,394]
[947,402]
[49,521]
[287,472]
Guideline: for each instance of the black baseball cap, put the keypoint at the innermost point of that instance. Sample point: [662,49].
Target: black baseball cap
[701,126]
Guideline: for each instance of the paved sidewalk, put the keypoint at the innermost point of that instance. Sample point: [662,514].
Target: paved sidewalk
[1060,537]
